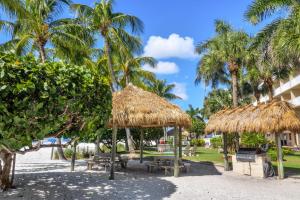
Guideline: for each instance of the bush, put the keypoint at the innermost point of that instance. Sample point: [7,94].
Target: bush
[273,153]
[68,153]
[253,140]
[198,142]
[216,142]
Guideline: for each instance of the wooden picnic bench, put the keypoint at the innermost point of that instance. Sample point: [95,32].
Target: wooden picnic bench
[105,162]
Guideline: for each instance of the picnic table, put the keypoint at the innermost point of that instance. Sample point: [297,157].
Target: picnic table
[105,161]
[167,164]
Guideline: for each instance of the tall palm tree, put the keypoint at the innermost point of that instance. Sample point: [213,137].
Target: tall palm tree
[222,54]
[36,26]
[282,34]
[162,89]
[112,26]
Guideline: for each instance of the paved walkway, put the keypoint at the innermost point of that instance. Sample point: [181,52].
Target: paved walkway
[40,178]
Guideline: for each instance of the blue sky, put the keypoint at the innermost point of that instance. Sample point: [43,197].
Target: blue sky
[173,28]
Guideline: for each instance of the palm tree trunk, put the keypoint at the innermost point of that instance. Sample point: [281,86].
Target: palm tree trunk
[234,88]
[42,52]
[234,77]
[257,95]
[269,83]
[73,156]
[109,63]
[97,148]
[129,140]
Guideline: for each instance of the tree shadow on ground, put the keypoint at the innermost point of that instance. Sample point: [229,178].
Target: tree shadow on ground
[197,169]
[87,185]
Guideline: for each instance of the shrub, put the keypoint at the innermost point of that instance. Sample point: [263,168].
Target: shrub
[253,139]
[120,147]
[272,152]
[198,142]
[68,153]
[216,142]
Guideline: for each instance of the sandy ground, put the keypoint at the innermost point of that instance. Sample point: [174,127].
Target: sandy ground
[37,177]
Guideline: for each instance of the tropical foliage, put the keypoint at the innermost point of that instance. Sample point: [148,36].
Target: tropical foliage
[51,99]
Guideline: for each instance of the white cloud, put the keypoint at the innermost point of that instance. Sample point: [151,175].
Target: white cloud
[180,90]
[163,68]
[174,46]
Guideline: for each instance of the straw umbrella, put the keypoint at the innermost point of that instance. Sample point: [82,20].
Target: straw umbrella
[136,108]
[274,117]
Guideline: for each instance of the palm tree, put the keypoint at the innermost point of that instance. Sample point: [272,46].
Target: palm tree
[221,54]
[282,34]
[162,89]
[194,113]
[130,70]
[112,27]
[36,26]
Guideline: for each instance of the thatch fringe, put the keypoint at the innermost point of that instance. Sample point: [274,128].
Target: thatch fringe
[274,117]
[134,107]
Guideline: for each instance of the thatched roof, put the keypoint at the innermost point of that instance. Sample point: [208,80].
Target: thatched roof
[134,107]
[274,117]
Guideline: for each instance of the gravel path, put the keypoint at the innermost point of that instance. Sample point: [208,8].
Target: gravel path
[37,177]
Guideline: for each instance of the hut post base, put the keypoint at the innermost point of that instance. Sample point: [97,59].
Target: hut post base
[180,142]
[176,160]
[141,145]
[226,163]
[279,157]
[113,154]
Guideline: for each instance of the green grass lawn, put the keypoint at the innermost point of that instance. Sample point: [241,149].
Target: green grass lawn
[291,163]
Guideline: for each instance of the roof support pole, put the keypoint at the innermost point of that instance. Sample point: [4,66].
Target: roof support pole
[180,142]
[225,151]
[141,145]
[113,153]
[176,160]
[279,156]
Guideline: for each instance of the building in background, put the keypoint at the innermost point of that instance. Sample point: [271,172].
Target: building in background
[288,90]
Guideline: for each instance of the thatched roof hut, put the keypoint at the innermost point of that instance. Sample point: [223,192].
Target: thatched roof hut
[134,107]
[273,117]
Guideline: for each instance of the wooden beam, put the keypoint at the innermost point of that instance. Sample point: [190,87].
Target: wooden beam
[176,160]
[113,153]
[180,142]
[225,151]
[141,145]
[279,156]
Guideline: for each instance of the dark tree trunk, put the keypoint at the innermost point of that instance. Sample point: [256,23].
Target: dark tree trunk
[113,153]
[73,156]
[5,167]
[257,95]
[60,150]
[269,83]
[97,147]
[141,145]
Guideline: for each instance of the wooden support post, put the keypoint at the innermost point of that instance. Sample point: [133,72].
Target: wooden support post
[13,170]
[225,151]
[141,145]
[279,156]
[113,154]
[176,160]
[180,142]
[73,156]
